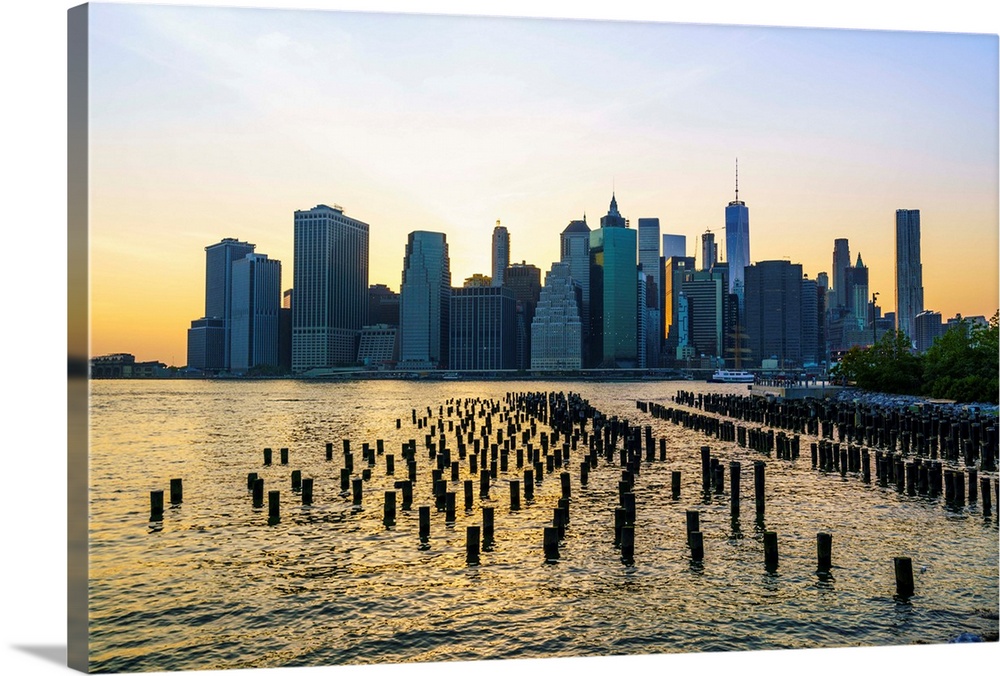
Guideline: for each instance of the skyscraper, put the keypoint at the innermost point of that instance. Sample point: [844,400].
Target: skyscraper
[501,253]
[674,246]
[331,287]
[424,301]
[707,293]
[856,294]
[613,292]
[556,331]
[841,261]
[525,280]
[909,271]
[774,312]
[651,300]
[481,332]
[737,243]
[256,301]
[219,260]
[709,251]
[574,250]
[676,328]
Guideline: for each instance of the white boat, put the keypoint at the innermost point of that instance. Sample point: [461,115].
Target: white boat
[732,377]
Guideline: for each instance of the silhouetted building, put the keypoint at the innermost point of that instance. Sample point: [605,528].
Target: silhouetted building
[219,259]
[927,327]
[574,250]
[481,329]
[709,251]
[256,299]
[674,246]
[206,341]
[330,279]
[525,281]
[677,331]
[774,312]
[707,293]
[856,290]
[909,271]
[378,347]
[383,305]
[841,261]
[649,262]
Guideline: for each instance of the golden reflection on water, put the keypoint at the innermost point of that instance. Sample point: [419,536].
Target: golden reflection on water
[214,585]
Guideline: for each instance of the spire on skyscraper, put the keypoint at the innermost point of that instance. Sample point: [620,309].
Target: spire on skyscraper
[613,209]
[859,263]
[737,179]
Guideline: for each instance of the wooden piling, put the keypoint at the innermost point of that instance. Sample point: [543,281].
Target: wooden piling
[529,485]
[824,548]
[550,543]
[770,550]
[675,485]
[734,489]
[758,484]
[176,491]
[693,518]
[628,543]
[472,545]
[156,505]
[307,491]
[564,478]
[258,493]
[296,479]
[329,450]
[356,487]
[903,566]
[449,507]
[389,508]
[984,484]
[488,522]
[424,512]
[284,456]
[515,494]
[697,543]
[274,505]
[251,477]
[267,456]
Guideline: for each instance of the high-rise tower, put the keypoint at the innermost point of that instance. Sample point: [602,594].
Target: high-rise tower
[909,271]
[574,250]
[709,250]
[737,243]
[614,292]
[501,253]
[841,261]
[219,259]
[424,301]
[330,280]
[256,304]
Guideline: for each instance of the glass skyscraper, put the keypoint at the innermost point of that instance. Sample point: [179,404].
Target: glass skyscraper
[424,301]
[909,271]
[219,259]
[737,245]
[574,250]
[481,329]
[614,292]
[256,302]
[501,253]
[331,287]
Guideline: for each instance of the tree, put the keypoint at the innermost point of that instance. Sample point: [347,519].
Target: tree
[887,366]
[963,363]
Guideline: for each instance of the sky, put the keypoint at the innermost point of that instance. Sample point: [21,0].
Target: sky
[208,123]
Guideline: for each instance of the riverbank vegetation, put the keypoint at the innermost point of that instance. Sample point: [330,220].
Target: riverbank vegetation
[961,365]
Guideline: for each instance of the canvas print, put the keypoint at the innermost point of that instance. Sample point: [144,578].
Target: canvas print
[401,338]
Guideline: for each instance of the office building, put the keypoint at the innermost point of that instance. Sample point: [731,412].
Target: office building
[383,306]
[648,234]
[927,327]
[707,294]
[478,279]
[501,253]
[206,345]
[674,246]
[556,332]
[574,251]
[856,295]
[330,279]
[377,346]
[841,261]
[737,243]
[909,271]
[676,329]
[424,302]
[774,313]
[709,251]
[525,280]
[256,300]
[219,260]
[613,292]
[481,333]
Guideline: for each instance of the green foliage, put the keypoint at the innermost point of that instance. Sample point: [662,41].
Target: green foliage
[961,365]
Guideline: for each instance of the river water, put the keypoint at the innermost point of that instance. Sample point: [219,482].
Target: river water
[214,585]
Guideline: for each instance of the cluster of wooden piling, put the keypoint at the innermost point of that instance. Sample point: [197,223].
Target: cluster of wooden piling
[914,469]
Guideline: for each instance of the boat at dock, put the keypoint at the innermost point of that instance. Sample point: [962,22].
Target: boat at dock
[731,377]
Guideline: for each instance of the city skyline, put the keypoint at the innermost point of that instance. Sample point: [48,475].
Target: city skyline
[533,151]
